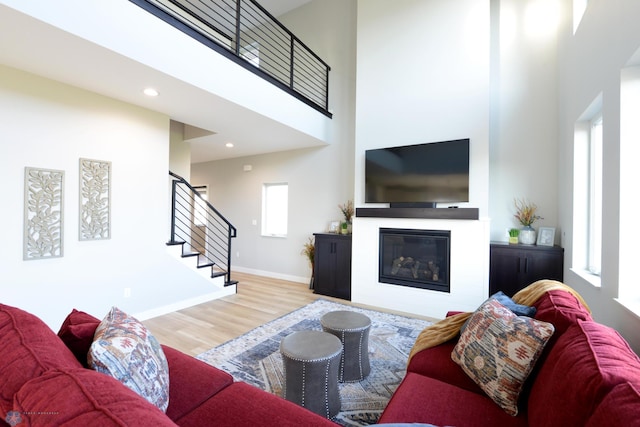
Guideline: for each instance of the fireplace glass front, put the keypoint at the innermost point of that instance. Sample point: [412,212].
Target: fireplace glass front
[415,258]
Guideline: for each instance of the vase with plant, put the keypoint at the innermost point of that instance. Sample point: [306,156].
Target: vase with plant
[526,215]
[309,250]
[347,212]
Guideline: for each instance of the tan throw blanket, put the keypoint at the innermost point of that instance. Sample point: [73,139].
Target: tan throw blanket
[449,328]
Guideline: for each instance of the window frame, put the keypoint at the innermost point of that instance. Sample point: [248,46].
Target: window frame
[586,261]
[594,218]
[272,227]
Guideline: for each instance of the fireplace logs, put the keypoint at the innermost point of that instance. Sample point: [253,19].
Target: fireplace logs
[408,267]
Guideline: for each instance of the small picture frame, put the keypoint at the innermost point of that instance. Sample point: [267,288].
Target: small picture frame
[334,227]
[546,236]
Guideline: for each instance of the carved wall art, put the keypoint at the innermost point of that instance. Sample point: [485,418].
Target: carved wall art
[43,213]
[95,200]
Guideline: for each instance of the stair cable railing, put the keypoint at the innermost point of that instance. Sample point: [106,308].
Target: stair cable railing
[248,34]
[202,231]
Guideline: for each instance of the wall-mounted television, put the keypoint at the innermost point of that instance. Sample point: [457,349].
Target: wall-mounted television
[420,175]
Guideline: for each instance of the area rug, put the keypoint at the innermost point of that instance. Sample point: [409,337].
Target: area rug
[255,358]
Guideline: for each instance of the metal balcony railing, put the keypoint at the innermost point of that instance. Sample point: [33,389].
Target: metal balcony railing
[248,34]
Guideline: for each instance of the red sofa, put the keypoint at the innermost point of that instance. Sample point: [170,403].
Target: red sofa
[45,382]
[586,376]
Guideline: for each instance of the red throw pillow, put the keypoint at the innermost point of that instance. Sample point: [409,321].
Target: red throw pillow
[29,349]
[77,333]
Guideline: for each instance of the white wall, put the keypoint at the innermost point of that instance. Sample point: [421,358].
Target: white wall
[179,151]
[49,125]
[591,62]
[524,110]
[423,76]
[319,179]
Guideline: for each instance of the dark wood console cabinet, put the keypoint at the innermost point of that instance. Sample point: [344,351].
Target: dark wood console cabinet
[332,269]
[513,267]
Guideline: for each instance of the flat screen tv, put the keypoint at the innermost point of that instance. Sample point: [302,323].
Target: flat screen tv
[420,175]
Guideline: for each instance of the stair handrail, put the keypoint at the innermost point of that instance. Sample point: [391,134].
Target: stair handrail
[232,229]
[212,257]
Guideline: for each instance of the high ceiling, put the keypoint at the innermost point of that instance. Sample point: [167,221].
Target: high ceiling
[34,46]
[280,7]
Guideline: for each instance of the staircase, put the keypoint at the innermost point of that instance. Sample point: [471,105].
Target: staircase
[200,229]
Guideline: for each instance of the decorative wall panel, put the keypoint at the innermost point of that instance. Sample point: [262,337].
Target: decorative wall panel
[95,200]
[43,213]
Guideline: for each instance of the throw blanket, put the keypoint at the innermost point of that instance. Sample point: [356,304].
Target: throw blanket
[449,328]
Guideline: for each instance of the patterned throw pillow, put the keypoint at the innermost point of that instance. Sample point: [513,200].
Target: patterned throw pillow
[123,348]
[498,350]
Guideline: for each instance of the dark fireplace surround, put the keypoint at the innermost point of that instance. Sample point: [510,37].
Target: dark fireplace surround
[415,258]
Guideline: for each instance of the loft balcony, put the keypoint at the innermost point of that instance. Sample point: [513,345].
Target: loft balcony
[245,32]
[117,48]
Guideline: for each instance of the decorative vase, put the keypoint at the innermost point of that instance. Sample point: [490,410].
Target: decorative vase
[527,235]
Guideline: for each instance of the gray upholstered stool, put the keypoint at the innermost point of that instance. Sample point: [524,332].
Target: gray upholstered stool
[353,330]
[311,360]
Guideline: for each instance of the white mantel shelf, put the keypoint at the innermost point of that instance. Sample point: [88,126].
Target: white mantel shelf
[427,213]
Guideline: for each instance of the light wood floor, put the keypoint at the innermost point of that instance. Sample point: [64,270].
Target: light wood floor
[259,300]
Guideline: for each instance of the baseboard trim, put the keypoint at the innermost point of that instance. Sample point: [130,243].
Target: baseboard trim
[271,274]
[181,305]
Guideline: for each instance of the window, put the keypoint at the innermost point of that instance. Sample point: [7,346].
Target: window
[587,193]
[594,220]
[628,233]
[275,205]
[200,208]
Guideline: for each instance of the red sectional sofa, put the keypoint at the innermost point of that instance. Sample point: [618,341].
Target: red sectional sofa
[587,375]
[44,382]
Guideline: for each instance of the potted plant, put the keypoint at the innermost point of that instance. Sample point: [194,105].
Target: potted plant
[344,227]
[526,215]
[347,212]
[309,250]
[513,236]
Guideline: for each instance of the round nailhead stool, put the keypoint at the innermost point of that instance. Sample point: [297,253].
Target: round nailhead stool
[353,330]
[311,360]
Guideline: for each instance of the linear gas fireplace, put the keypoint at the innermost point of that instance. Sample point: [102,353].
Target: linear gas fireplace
[415,258]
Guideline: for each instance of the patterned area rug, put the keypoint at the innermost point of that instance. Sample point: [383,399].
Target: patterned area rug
[255,358]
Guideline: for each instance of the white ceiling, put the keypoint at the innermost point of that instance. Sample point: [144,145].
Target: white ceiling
[34,46]
[280,7]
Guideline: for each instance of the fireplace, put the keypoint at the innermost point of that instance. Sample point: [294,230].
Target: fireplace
[415,258]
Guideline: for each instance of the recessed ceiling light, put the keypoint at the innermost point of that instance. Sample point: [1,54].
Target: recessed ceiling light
[229,145]
[151,92]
